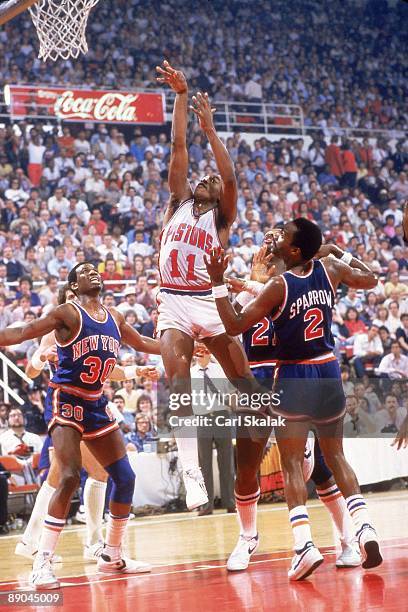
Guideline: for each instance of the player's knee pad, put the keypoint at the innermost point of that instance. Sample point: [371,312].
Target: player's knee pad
[123,481]
[321,472]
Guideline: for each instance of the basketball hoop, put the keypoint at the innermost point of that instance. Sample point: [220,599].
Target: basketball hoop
[60,24]
[61,27]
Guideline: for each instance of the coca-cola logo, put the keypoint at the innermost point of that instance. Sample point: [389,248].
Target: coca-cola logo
[111,106]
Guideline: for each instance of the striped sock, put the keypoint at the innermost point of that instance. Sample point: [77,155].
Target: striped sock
[114,535]
[336,505]
[246,511]
[299,521]
[50,534]
[358,510]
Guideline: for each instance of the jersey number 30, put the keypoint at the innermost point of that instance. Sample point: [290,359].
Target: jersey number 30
[313,331]
[98,370]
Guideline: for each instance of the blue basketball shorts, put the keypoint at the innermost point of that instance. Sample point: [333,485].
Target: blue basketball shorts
[92,418]
[310,390]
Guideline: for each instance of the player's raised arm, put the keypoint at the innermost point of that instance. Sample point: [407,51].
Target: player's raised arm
[265,303]
[229,192]
[131,337]
[178,169]
[45,352]
[343,268]
[58,319]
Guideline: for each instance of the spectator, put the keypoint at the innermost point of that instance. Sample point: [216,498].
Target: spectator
[16,440]
[130,303]
[356,422]
[143,435]
[129,395]
[353,323]
[367,349]
[395,364]
[402,333]
[4,413]
[33,411]
[334,158]
[390,418]
[125,418]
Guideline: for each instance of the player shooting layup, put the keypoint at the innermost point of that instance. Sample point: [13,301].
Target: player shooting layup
[194,223]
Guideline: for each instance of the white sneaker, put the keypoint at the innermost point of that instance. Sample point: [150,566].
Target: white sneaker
[93,552]
[349,556]
[305,562]
[369,547]
[196,493]
[240,556]
[28,550]
[122,566]
[80,515]
[42,575]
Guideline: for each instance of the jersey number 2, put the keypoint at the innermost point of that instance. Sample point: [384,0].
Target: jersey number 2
[313,331]
[175,272]
[260,335]
[95,368]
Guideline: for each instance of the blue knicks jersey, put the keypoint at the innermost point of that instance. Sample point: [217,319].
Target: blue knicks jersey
[303,323]
[87,360]
[259,344]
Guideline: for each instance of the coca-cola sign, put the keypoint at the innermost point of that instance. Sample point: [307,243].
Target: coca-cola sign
[85,104]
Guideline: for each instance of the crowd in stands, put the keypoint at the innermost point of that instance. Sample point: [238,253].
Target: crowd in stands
[98,196]
[344,63]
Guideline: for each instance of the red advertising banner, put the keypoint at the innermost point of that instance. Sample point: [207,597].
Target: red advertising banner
[70,104]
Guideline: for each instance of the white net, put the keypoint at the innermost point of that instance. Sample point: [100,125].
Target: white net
[61,27]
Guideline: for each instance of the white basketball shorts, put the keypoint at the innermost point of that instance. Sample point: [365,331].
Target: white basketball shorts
[196,316]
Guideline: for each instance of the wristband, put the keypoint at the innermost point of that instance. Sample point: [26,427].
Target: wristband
[346,257]
[220,291]
[37,363]
[253,287]
[130,372]
[244,298]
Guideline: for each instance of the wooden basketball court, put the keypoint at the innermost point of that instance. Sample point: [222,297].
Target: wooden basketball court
[188,554]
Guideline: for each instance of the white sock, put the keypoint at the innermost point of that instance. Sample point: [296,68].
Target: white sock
[299,521]
[336,505]
[114,536]
[94,503]
[186,438]
[35,525]
[358,509]
[49,535]
[246,511]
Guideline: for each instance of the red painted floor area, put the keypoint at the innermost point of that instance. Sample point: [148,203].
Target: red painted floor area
[208,587]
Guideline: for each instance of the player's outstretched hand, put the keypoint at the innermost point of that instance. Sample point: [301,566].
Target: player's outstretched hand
[50,354]
[202,108]
[401,439]
[261,269]
[148,372]
[216,265]
[236,285]
[174,78]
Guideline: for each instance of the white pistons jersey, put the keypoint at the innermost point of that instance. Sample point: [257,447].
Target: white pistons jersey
[185,240]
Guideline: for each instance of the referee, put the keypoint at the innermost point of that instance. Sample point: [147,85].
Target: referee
[208,376]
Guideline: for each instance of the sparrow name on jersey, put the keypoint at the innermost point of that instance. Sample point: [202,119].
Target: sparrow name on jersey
[311,298]
[189,234]
[95,343]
